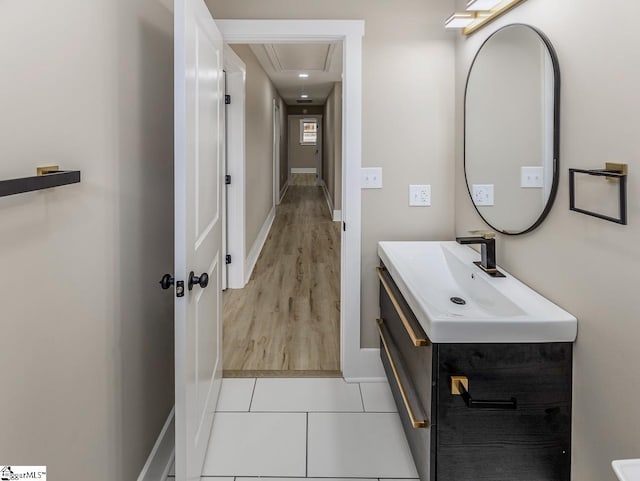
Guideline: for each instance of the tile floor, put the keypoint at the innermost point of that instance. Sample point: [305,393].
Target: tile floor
[297,429]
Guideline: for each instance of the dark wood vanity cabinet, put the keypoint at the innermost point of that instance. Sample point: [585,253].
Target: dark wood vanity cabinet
[453,442]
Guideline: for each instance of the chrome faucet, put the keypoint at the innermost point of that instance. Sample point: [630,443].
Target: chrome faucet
[487,242]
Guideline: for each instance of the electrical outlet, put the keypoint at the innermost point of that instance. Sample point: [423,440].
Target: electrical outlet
[371,178]
[482,194]
[420,195]
[532,177]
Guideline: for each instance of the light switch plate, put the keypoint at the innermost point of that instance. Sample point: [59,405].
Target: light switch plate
[482,194]
[419,195]
[371,178]
[532,177]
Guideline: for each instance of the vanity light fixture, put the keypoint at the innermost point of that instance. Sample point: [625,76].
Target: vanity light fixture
[303,75]
[481,5]
[460,20]
[479,13]
[304,96]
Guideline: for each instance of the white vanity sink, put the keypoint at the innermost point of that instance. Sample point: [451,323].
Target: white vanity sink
[627,469]
[501,310]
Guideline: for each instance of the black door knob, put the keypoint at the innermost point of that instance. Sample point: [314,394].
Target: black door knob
[167,281]
[202,280]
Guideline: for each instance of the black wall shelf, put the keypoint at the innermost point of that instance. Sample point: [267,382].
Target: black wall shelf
[39,182]
[620,176]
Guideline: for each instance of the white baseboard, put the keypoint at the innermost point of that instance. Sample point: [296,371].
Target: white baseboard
[161,458]
[353,380]
[284,190]
[254,253]
[366,366]
[299,170]
[327,196]
[336,215]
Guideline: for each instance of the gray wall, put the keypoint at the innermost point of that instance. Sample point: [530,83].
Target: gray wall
[260,93]
[145,221]
[332,160]
[86,362]
[303,156]
[408,116]
[586,265]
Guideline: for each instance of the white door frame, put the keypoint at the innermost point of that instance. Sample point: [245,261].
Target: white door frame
[319,151]
[236,245]
[277,129]
[357,364]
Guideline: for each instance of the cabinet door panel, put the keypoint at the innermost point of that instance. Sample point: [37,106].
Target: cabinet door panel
[501,463]
[531,442]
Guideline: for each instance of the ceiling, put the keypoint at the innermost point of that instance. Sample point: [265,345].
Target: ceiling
[284,62]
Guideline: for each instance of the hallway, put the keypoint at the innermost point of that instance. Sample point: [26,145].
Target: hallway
[287,318]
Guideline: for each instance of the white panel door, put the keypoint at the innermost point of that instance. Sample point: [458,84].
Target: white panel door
[199,163]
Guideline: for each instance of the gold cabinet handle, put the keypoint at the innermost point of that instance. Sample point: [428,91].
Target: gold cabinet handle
[415,421]
[415,339]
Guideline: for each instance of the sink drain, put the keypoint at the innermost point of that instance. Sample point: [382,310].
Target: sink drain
[458,300]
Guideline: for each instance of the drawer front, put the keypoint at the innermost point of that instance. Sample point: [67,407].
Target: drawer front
[413,353]
[419,439]
[529,443]
[411,325]
[417,359]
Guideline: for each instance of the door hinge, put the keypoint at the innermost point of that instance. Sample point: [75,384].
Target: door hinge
[227,99]
[227,179]
[344,226]
[180,289]
[228,259]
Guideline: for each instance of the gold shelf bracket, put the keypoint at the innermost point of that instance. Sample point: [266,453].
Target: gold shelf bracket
[48,169]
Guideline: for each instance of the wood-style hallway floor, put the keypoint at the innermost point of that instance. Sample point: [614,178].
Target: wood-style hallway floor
[286,321]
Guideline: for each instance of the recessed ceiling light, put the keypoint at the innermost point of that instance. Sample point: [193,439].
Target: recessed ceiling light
[303,75]
[460,20]
[304,96]
[479,5]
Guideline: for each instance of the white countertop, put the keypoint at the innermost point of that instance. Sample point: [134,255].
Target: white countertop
[503,310]
[627,469]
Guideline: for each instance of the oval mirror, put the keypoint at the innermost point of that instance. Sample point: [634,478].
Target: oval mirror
[511,129]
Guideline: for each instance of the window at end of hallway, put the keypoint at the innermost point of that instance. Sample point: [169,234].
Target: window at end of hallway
[308,131]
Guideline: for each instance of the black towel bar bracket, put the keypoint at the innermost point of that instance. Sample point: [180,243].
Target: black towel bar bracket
[47,178]
[613,172]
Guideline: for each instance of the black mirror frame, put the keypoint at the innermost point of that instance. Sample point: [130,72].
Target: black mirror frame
[556,129]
